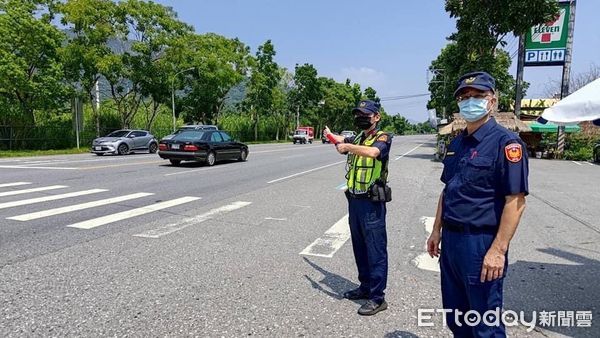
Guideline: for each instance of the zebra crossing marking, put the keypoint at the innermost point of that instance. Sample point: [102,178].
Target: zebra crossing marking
[49,198]
[96,222]
[76,207]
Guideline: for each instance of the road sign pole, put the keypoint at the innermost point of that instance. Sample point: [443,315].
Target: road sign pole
[520,69]
[566,77]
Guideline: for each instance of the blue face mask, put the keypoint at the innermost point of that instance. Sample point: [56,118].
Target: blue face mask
[473,109]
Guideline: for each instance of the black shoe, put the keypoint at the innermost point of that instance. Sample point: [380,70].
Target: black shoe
[356,294]
[371,307]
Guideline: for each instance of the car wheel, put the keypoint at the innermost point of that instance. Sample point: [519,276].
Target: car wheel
[294,141]
[99,154]
[152,148]
[175,162]
[123,149]
[243,155]
[211,159]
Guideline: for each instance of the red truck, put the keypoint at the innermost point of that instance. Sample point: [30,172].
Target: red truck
[303,135]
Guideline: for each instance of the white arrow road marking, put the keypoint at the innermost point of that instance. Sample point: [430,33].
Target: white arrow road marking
[26,191]
[70,208]
[14,184]
[424,261]
[49,198]
[96,222]
[168,229]
[332,240]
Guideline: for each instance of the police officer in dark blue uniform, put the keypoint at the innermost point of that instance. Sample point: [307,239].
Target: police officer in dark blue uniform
[485,176]
[368,156]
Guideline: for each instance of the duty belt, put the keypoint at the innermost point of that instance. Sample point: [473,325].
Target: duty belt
[466,229]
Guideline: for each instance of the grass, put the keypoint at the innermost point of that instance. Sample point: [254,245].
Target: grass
[27,153]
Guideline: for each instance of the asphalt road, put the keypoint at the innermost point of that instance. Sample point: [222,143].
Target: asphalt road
[132,246]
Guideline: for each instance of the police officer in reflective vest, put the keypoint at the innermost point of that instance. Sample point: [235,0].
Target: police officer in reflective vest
[368,156]
[485,176]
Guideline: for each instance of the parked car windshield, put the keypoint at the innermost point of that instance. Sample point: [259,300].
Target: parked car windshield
[300,132]
[189,135]
[118,133]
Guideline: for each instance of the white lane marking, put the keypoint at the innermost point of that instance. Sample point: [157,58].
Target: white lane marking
[26,191]
[276,150]
[190,171]
[168,229]
[49,198]
[305,172]
[576,162]
[342,186]
[70,208]
[26,167]
[424,261]
[96,222]
[104,159]
[590,163]
[39,161]
[331,242]
[408,152]
[14,184]
[275,219]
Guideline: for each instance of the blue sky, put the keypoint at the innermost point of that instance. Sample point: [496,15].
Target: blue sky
[384,44]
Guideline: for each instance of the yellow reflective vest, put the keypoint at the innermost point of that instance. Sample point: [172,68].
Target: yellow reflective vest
[363,171]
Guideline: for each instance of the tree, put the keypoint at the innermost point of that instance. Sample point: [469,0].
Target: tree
[92,24]
[482,26]
[31,72]
[576,82]
[135,70]
[264,79]
[220,64]
[306,93]
[338,101]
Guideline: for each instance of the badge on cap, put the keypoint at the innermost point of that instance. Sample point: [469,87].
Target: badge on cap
[362,104]
[513,152]
[470,80]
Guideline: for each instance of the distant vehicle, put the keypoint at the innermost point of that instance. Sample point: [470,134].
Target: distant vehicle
[324,139]
[208,146]
[124,142]
[191,127]
[303,135]
[348,133]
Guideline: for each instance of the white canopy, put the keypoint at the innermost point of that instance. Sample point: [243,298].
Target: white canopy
[582,105]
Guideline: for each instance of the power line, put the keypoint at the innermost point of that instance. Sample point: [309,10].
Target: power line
[402,97]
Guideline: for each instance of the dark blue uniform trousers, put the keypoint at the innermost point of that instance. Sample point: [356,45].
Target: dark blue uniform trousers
[369,242]
[460,264]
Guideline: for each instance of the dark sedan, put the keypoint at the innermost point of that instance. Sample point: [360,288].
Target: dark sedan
[208,146]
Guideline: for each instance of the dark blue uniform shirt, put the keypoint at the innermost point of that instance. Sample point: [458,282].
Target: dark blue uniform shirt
[480,170]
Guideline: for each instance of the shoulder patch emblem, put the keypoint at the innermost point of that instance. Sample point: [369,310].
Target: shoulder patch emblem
[382,138]
[513,152]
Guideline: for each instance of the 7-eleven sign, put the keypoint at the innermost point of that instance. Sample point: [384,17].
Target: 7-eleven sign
[552,34]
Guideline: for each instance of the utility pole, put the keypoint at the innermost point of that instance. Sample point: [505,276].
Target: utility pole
[520,69]
[566,77]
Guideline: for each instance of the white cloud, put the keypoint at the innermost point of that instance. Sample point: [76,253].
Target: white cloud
[365,76]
